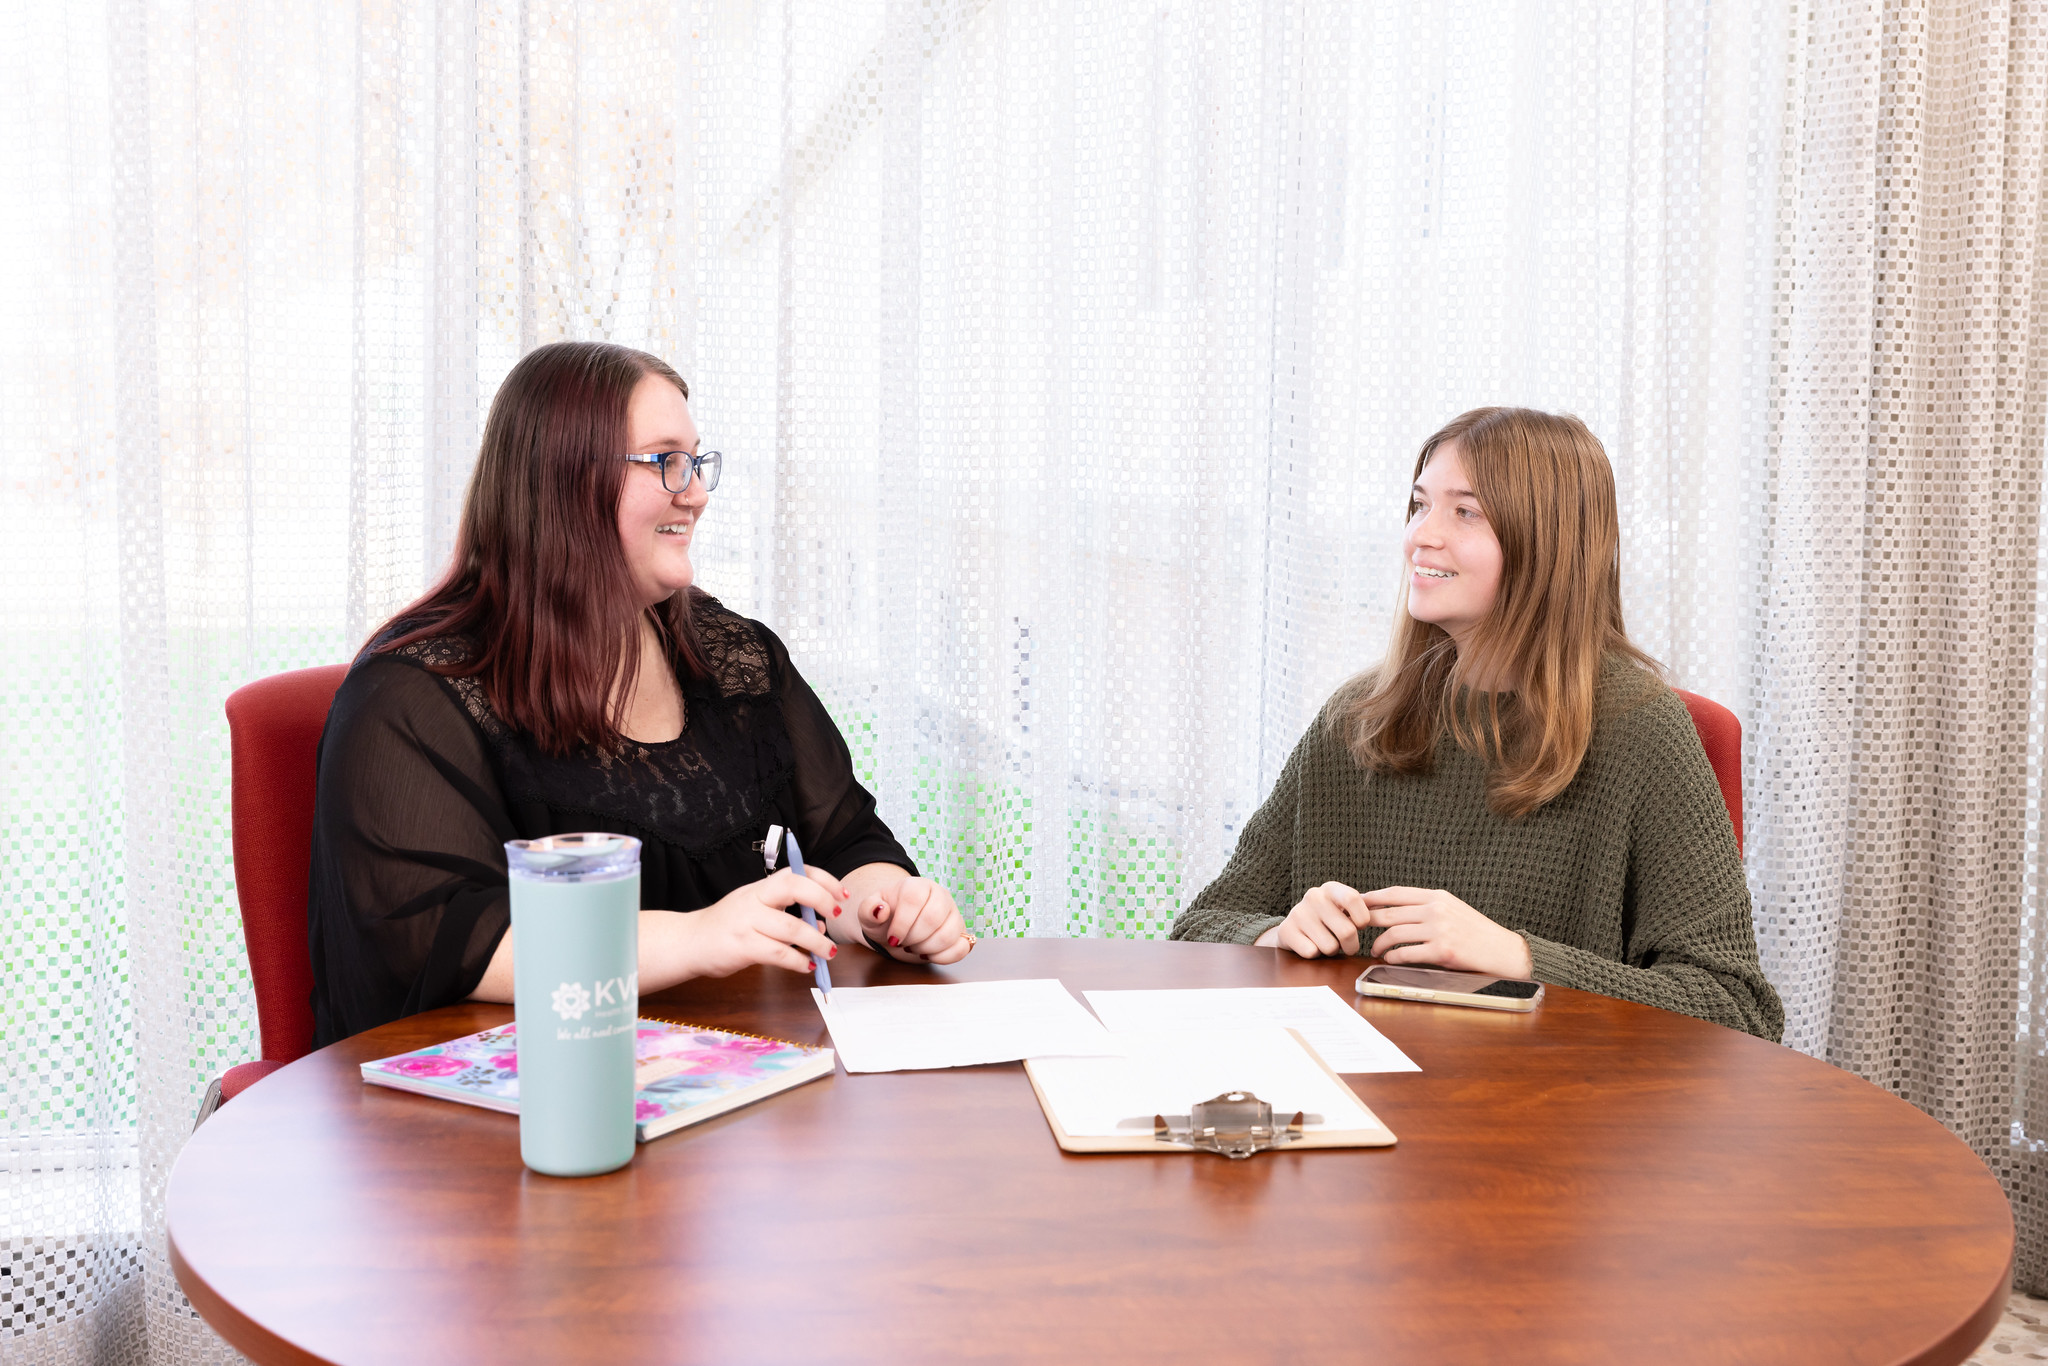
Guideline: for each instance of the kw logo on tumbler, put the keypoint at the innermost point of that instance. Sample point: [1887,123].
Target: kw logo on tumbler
[614,996]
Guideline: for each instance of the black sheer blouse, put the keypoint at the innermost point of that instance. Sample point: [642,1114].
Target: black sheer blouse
[421,784]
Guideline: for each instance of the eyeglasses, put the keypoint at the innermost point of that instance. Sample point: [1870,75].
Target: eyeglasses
[677,467]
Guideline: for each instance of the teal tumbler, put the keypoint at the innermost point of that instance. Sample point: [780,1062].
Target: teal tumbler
[576,993]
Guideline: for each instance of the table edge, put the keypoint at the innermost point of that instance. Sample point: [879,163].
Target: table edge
[253,1339]
[241,1332]
[1963,1340]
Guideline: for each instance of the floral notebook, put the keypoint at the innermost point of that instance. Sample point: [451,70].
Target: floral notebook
[682,1074]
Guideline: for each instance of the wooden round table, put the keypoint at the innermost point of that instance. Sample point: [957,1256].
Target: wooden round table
[1596,1182]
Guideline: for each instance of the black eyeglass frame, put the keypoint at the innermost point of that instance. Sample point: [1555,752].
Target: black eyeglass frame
[705,466]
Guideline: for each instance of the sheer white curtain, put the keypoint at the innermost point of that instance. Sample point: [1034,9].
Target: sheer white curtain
[1899,599]
[1069,360]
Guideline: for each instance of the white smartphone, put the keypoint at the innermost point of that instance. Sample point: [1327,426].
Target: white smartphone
[1444,987]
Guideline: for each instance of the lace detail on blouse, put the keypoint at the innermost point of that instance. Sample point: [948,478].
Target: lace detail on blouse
[448,652]
[734,650]
[715,783]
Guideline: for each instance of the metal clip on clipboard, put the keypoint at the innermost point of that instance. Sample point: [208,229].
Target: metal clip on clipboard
[1235,1124]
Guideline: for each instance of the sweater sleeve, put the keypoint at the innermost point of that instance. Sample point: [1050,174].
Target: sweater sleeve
[1255,890]
[1689,943]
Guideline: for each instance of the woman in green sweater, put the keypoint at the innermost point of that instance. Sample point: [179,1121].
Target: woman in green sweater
[1513,789]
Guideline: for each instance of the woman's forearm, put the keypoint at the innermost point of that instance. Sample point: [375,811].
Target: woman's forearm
[497,982]
[664,958]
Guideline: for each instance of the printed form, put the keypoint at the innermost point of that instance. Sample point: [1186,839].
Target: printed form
[959,1024]
[1166,1073]
[1340,1035]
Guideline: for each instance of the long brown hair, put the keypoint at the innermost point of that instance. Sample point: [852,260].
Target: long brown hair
[1544,484]
[538,583]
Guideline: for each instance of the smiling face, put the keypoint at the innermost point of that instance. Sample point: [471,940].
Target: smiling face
[1453,555]
[656,526]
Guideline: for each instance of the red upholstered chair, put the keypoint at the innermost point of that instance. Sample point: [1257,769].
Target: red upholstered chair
[274,729]
[1721,737]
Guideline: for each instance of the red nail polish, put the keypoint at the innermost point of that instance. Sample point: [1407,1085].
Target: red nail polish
[892,941]
[835,910]
[833,952]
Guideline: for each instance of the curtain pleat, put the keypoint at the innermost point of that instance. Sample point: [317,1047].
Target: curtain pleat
[1946,595]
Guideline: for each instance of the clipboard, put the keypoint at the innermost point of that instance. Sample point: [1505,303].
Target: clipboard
[1374,1135]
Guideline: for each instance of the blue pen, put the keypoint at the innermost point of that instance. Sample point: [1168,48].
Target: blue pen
[819,970]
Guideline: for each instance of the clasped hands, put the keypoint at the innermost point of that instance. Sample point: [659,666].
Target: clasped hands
[1416,926]
[910,919]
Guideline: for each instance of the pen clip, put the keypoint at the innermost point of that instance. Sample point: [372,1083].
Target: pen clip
[771,847]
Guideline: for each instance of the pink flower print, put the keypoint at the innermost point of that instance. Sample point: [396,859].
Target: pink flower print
[432,1065]
[505,1062]
[646,1109]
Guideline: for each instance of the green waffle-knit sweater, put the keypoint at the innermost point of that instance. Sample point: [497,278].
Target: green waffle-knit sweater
[1627,883]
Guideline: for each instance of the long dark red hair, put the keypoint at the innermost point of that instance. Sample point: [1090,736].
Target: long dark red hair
[538,584]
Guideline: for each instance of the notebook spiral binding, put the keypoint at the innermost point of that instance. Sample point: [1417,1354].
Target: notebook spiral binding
[736,1033]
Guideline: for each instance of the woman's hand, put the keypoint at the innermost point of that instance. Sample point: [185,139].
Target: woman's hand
[748,925]
[1416,926]
[1322,924]
[1434,927]
[912,919]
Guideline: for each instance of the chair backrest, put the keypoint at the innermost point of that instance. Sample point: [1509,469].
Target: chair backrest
[1721,737]
[274,729]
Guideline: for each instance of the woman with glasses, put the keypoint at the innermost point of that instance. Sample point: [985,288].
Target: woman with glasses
[565,675]
[1513,789]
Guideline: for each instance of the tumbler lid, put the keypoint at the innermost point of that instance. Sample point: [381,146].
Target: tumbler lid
[589,853]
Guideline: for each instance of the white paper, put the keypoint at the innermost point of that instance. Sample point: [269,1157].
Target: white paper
[1338,1033]
[1164,1073]
[960,1024]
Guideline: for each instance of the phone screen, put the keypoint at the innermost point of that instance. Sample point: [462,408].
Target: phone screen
[1442,979]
